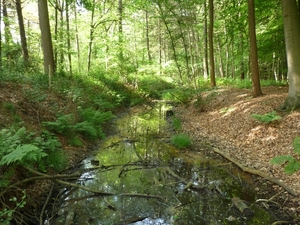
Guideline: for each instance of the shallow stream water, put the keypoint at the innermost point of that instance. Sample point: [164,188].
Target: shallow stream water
[149,181]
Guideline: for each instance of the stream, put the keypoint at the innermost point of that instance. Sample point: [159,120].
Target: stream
[148,181]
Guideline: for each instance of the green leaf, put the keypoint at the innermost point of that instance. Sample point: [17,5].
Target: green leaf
[296,145]
[22,153]
[292,167]
[282,159]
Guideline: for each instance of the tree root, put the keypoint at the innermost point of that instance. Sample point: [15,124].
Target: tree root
[256,172]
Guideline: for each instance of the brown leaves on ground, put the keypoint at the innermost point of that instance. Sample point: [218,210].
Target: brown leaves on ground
[225,119]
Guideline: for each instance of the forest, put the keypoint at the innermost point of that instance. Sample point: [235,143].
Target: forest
[69,68]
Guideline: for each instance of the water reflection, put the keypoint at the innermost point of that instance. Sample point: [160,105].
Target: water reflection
[154,183]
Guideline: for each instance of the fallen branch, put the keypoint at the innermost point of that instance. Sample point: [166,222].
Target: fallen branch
[56,178]
[256,172]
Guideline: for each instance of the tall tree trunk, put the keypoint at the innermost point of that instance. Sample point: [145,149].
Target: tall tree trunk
[211,44]
[92,28]
[49,66]
[120,9]
[205,55]
[22,32]
[256,90]
[77,39]
[7,33]
[147,37]
[172,41]
[291,24]
[0,34]
[68,38]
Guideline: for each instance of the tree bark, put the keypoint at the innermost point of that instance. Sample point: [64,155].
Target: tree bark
[211,44]
[49,65]
[22,32]
[291,24]
[256,90]
[205,56]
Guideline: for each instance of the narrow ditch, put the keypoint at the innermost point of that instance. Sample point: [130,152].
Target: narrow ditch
[137,177]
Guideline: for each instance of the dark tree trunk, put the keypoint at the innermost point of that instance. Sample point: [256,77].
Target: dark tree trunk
[22,32]
[256,90]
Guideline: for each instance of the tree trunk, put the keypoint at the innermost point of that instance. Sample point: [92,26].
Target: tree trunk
[49,66]
[147,37]
[22,32]
[7,33]
[211,44]
[256,91]
[172,41]
[68,38]
[77,39]
[0,34]
[92,27]
[205,56]
[291,24]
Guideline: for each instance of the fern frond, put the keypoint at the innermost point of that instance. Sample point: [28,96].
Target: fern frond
[282,159]
[296,145]
[26,152]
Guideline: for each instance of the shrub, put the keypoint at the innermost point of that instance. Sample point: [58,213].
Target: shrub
[181,141]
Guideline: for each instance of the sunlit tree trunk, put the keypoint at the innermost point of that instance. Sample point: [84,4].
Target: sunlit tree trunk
[291,23]
[205,47]
[120,9]
[77,39]
[7,32]
[147,37]
[92,29]
[211,44]
[22,32]
[256,90]
[68,38]
[172,41]
[49,66]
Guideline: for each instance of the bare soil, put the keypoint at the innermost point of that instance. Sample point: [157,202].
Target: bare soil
[223,118]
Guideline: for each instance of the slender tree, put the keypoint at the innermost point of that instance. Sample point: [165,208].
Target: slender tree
[256,90]
[49,65]
[22,32]
[291,23]
[211,44]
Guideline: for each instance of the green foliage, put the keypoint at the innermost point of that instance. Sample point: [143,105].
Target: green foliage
[88,125]
[10,108]
[182,94]
[6,215]
[292,165]
[267,118]
[177,124]
[22,148]
[181,141]
[23,154]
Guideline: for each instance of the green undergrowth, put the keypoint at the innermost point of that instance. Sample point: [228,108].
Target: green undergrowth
[267,117]
[89,125]
[291,163]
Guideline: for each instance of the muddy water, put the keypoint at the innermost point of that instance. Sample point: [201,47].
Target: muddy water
[148,181]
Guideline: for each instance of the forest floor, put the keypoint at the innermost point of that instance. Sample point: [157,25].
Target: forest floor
[223,119]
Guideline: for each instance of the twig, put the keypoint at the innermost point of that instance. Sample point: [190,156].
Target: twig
[45,205]
[107,193]
[256,172]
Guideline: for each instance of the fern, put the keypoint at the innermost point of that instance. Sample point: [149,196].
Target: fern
[267,118]
[86,129]
[62,124]
[291,164]
[23,153]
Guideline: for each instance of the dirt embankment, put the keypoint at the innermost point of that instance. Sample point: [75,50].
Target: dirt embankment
[225,120]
